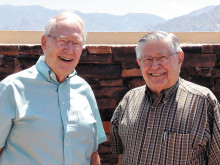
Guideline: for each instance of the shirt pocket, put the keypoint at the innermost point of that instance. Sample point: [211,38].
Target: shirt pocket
[176,148]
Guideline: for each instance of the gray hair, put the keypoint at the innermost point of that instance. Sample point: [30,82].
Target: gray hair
[158,36]
[62,16]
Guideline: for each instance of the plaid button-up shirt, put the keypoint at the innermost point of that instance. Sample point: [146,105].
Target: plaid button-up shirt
[182,126]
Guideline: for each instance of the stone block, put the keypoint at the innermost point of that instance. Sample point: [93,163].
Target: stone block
[204,81]
[217,85]
[111,83]
[106,103]
[7,61]
[207,49]
[107,126]
[186,73]
[131,73]
[130,64]
[94,84]
[193,49]
[2,75]
[10,50]
[135,82]
[99,49]
[96,59]
[199,60]
[126,56]
[99,71]
[114,91]
[216,73]
[218,61]
[123,53]
[205,72]
[106,115]
[27,61]
[216,49]
[31,50]
[7,71]
[98,92]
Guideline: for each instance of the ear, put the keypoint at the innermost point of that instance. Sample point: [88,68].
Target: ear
[43,42]
[180,58]
[139,62]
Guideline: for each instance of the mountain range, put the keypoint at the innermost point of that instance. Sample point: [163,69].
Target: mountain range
[34,18]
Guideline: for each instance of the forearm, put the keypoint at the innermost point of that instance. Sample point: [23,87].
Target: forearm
[119,159]
[95,160]
[0,151]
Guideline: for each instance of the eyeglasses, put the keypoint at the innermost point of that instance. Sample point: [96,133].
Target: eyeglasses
[161,59]
[64,42]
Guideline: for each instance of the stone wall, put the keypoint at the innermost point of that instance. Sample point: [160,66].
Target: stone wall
[112,71]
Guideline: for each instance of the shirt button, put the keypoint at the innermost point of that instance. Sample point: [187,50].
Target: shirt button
[63,103]
[66,123]
[149,128]
[145,149]
[51,74]
[67,144]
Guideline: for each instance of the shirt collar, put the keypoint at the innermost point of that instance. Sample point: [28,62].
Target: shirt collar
[171,90]
[46,72]
[165,94]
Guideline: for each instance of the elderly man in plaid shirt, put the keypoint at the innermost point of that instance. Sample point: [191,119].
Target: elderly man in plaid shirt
[168,121]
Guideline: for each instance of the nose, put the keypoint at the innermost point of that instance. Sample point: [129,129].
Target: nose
[155,63]
[70,47]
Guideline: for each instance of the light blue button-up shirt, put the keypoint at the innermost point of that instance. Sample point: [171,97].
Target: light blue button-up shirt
[46,122]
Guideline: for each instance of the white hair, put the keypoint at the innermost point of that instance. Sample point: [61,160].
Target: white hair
[62,16]
[158,36]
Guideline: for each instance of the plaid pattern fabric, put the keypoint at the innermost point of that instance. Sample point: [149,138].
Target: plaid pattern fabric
[182,126]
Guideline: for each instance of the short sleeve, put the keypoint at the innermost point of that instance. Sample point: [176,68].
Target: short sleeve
[214,145]
[7,112]
[100,130]
[100,133]
[116,143]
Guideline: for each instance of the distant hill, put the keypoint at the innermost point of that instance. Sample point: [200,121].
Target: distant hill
[35,17]
[202,20]
[135,22]
[24,17]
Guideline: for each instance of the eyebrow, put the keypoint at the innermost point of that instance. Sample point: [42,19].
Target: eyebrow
[62,36]
[158,54]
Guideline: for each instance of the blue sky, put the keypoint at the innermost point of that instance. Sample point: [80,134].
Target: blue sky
[165,8]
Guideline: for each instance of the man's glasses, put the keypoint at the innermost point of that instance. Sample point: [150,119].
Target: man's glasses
[64,42]
[161,59]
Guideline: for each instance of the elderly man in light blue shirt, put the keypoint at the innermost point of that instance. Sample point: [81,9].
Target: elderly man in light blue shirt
[48,114]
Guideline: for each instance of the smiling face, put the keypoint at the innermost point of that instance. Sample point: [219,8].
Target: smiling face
[63,47]
[159,75]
